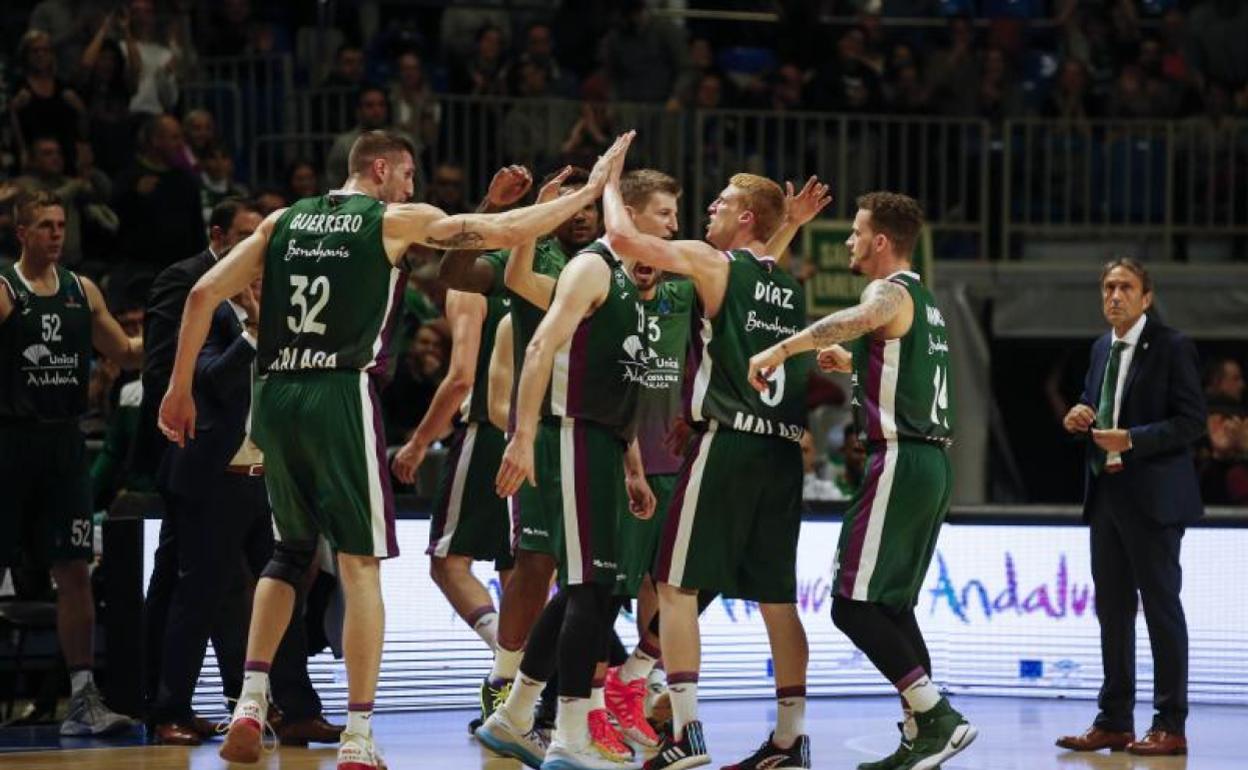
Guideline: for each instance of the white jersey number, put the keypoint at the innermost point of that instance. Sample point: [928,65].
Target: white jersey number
[318,292]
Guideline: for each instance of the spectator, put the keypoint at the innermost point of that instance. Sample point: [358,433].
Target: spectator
[1173,57]
[1216,31]
[448,191]
[539,52]
[999,97]
[644,57]
[787,87]
[416,110]
[109,81]
[874,42]
[817,483]
[481,72]
[407,399]
[216,179]
[348,71]
[1224,378]
[460,29]
[45,170]
[43,105]
[302,181]
[848,83]
[63,21]
[200,130]
[906,93]
[853,462]
[594,129]
[1088,37]
[330,107]
[699,61]
[527,127]
[157,90]
[270,199]
[1132,97]
[157,203]
[951,68]
[1071,97]
[234,31]
[372,112]
[1223,463]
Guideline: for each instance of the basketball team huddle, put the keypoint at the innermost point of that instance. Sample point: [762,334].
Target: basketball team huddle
[624,412]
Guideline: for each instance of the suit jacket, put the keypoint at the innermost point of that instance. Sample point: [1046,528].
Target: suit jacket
[1163,407]
[161,321]
[222,392]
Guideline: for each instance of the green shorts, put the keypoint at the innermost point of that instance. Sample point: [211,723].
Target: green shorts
[325,462]
[638,540]
[574,510]
[469,519]
[734,519]
[890,530]
[45,495]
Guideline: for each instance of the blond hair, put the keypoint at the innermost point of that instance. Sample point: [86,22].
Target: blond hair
[637,186]
[764,199]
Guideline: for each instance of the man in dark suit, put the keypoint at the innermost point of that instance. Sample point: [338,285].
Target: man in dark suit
[1142,409]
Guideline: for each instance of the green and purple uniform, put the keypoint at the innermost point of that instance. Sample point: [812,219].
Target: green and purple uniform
[327,308]
[469,519]
[669,318]
[735,515]
[45,344]
[587,422]
[903,411]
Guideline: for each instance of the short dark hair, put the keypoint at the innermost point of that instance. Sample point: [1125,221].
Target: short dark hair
[637,186]
[1132,264]
[28,201]
[216,149]
[224,213]
[372,145]
[578,178]
[1213,370]
[899,217]
[370,88]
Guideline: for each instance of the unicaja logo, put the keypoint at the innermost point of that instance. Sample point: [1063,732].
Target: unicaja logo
[35,353]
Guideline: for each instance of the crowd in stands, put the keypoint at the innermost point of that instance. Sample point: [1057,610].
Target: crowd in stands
[97,108]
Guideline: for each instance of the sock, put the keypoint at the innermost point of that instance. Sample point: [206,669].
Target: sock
[572,722]
[484,620]
[360,719]
[909,727]
[790,715]
[683,687]
[506,665]
[919,691]
[79,679]
[597,697]
[521,701]
[639,664]
[256,680]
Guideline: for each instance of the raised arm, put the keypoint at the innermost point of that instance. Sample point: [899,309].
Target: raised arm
[501,364]
[586,281]
[463,269]
[519,276]
[466,314]
[682,257]
[229,276]
[799,208]
[107,335]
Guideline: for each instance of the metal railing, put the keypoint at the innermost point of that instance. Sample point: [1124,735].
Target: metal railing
[225,101]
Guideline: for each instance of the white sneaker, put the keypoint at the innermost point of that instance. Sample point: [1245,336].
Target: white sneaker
[502,737]
[657,698]
[244,740]
[89,716]
[359,752]
[563,757]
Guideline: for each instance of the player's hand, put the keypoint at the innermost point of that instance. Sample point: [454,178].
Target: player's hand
[677,437]
[641,499]
[408,460]
[603,168]
[762,365]
[177,416]
[835,359]
[516,467]
[550,190]
[806,205]
[1112,439]
[509,185]
[1079,419]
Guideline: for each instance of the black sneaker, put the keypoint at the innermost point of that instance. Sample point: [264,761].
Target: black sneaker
[492,697]
[689,751]
[473,724]
[943,732]
[771,757]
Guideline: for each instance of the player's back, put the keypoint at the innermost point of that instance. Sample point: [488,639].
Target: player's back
[330,293]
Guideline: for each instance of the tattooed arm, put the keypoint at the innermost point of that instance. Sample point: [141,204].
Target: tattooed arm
[881,302]
[463,269]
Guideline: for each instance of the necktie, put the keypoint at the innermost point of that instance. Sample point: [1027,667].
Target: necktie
[1105,407]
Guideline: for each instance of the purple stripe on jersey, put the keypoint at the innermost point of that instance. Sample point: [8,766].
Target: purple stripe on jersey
[578,356]
[694,352]
[514,508]
[388,323]
[671,529]
[383,471]
[875,375]
[441,513]
[581,481]
[858,535]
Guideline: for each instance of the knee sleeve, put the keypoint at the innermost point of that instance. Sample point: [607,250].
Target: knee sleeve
[290,562]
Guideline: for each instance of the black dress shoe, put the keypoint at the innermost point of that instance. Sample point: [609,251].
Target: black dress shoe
[311,730]
[176,734]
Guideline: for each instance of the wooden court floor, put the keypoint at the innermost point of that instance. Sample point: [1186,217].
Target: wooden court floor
[1015,734]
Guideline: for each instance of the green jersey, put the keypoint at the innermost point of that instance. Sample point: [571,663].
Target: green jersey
[597,374]
[762,305]
[901,386]
[330,293]
[669,318]
[46,346]
[549,259]
[476,407]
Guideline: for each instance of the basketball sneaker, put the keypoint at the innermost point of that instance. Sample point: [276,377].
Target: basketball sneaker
[626,702]
[894,760]
[564,757]
[604,737]
[771,757]
[89,716]
[943,732]
[502,737]
[689,751]
[658,701]
[492,697]
[244,740]
[358,752]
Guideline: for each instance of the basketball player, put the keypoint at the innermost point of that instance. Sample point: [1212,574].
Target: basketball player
[50,320]
[900,360]
[331,268]
[725,532]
